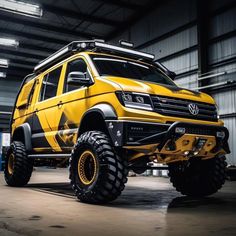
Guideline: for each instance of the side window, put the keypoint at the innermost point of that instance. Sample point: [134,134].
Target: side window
[50,83]
[77,65]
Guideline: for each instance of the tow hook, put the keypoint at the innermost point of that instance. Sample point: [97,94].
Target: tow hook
[198,146]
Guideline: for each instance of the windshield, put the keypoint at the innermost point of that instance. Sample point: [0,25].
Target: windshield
[113,66]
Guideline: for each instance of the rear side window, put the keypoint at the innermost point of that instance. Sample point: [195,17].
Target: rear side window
[50,84]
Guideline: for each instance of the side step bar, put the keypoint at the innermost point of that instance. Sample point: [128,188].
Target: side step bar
[49,155]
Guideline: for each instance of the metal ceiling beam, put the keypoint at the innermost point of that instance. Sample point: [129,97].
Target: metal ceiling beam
[17,72]
[21,54]
[23,50]
[33,36]
[123,4]
[139,14]
[47,27]
[79,15]
[22,62]
[36,48]
[17,78]
[24,66]
[17,69]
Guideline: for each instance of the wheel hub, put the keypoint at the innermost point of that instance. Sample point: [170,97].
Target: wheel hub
[10,165]
[87,167]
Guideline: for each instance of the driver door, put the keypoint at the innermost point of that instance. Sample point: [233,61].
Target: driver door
[72,106]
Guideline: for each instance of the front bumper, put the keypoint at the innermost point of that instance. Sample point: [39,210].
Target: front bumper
[169,138]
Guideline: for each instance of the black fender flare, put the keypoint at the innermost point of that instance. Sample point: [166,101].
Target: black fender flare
[26,139]
[105,110]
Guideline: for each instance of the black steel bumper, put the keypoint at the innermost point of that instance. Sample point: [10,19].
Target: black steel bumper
[129,133]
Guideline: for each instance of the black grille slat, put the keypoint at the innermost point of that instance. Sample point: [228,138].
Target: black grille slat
[183,102]
[179,108]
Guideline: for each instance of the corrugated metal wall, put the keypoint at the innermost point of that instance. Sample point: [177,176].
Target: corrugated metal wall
[8,91]
[170,32]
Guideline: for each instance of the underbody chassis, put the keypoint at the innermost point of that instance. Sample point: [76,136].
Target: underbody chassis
[165,143]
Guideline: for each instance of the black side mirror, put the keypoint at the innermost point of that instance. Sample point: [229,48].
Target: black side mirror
[78,78]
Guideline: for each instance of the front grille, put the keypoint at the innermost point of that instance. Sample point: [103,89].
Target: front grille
[179,108]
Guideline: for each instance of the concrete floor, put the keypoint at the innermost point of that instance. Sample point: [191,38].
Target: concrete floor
[148,206]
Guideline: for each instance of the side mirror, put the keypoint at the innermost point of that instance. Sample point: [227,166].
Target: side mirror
[78,78]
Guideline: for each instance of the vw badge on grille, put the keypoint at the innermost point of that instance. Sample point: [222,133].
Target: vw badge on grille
[193,109]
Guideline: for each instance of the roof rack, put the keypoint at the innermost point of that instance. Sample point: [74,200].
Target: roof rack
[90,45]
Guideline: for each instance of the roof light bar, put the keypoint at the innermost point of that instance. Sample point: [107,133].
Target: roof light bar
[4,63]
[51,58]
[126,44]
[125,50]
[3,74]
[88,45]
[9,42]
[22,8]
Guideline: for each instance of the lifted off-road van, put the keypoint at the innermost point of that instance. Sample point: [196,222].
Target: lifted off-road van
[110,109]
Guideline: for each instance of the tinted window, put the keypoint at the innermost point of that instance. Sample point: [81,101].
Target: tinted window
[77,65]
[111,66]
[50,83]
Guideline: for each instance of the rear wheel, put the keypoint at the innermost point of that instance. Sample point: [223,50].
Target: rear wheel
[198,177]
[97,173]
[19,167]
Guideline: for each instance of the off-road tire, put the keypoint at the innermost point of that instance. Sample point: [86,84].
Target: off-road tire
[23,166]
[112,169]
[198,178]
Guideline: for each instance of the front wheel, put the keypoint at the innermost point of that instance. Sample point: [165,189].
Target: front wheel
[18,167]
[97,173]
[197,177]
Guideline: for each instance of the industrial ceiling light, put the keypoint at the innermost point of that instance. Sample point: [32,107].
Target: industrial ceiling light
[3,75]
[9,42]
[4,63]
[22,8]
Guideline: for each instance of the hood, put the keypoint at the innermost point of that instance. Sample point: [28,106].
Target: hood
[131,85]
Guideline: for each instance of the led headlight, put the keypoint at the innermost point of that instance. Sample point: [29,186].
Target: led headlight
[217,111]
[135,100]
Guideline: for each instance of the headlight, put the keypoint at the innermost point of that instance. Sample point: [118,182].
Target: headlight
[135,100]
[217,111]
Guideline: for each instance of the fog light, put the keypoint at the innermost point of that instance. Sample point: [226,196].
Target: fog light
[195,153]
[220,134]
[186,153]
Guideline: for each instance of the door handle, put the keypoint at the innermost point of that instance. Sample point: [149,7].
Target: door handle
[60,104]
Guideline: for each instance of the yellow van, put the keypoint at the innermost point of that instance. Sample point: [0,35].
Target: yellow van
[110,109]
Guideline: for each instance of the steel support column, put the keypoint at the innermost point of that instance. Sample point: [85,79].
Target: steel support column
[203,19]
[0,150]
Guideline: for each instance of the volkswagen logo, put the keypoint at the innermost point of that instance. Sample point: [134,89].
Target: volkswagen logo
[193,109]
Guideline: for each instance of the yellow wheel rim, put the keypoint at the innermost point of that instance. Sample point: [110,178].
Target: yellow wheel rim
[87,167]
[10,165]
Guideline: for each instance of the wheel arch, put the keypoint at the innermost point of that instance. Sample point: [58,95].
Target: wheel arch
[23,134]
[94,118]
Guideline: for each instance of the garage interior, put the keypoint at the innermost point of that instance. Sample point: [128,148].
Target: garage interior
[194,38]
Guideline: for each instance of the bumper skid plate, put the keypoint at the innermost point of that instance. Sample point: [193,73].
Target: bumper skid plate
[173,133]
